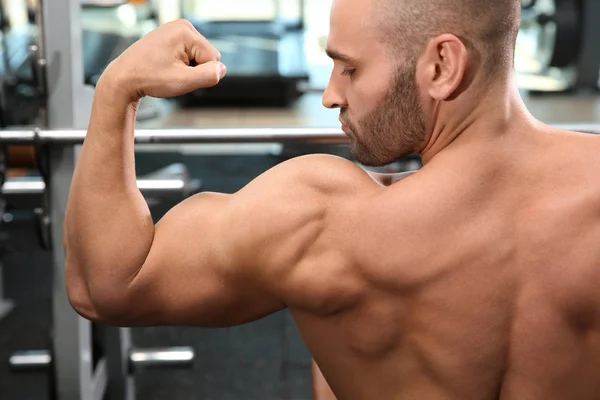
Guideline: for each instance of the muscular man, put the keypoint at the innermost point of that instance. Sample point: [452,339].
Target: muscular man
[475,278]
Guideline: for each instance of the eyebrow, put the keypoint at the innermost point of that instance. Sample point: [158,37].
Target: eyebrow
[335,55]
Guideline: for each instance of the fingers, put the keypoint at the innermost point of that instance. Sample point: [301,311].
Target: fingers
[198,48]
[203,75]
[203,51]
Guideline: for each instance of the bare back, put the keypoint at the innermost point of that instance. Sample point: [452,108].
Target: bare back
[468,282]
[475,278]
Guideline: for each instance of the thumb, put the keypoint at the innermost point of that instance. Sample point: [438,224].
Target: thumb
[205,75]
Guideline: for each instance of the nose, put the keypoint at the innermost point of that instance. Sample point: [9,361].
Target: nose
[333,96]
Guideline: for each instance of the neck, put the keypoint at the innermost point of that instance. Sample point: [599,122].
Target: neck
[475,118]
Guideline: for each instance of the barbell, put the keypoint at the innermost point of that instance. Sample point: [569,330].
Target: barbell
[213,136]
[138,359]
[183,136]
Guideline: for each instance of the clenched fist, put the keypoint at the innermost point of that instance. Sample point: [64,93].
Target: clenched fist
[171,61]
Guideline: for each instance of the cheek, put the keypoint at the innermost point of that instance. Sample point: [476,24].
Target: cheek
[368,91]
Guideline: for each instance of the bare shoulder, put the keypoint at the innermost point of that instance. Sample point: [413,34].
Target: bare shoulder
[572,157]
[321,172]
[301,186]
[584,141]
[283,218]
[567,211]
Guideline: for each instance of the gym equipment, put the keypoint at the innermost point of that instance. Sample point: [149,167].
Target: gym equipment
[65,138]
[266,60]
[561,38]
[88,360]
[171,185]
[164,188]
[30,361]
[76,376]
[6,306]
[559,34]
[183,136]
[139,359]
[66,107]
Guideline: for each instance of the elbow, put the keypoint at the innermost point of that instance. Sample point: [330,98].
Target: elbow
[98,304]
[84,307]
[81,302]
[100,311]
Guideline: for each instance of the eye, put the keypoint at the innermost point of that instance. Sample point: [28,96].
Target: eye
[348,72]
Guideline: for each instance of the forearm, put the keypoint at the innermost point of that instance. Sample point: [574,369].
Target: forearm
[108,226]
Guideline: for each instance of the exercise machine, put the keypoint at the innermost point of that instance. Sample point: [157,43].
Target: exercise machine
[85,360]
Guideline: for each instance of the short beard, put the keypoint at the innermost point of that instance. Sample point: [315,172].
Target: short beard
[393,130]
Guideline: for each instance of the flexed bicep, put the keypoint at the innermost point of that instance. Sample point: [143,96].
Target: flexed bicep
[222,260]
[195,275]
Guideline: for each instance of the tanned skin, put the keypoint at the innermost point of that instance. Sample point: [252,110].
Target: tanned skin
[475,278]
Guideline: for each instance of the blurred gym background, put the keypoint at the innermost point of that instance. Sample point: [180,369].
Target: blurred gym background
[278,70]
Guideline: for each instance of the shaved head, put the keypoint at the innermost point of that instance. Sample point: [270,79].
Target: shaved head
[488,28]
[404,68]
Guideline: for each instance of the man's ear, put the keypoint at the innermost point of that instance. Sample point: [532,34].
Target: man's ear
[443,66]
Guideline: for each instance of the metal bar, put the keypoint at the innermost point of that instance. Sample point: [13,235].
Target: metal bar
[100,381]
[30,361]
[199,136]
[69,100]
[17,137]
[261,135]
[71,339]
[171,357]
[23,187]
[69,103]
[30,195]
[121,383]
[40,62]
[41,360]
[35,187]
